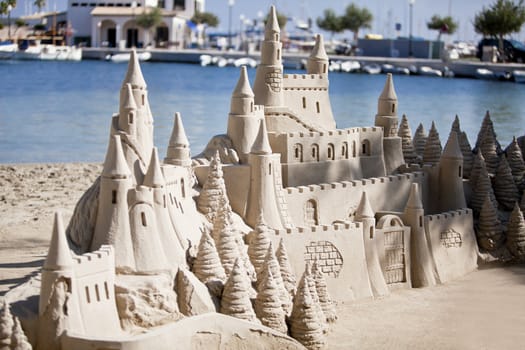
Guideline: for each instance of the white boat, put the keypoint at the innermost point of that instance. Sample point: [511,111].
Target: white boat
[35,50]
[245,61]
[7,50]
[431,72]
[205,60]
[388,68]
[125,57]
[350,66]
[486,74]
[372,68]
[519,76]
[335,66]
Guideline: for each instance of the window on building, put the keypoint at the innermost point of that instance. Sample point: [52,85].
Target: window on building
[143,99]
[420,221]
[106,289]
[270,169]
[182,189]
[143,218]
[164,200]
[365,148]
[324,68]
[304,102]
[298,152]
[130,118]
[97,292]
[460,172]
[278,54]
[251,106]
[114,197]
[315,152]
[393,107]
[161,4]
[88,298]
[179,5]
[311,213]
[353,149]
[344,150]
[371,232]
[331,152]
[318,107]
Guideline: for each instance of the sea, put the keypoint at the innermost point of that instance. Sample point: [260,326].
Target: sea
[61,111]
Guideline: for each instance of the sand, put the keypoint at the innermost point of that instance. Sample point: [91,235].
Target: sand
[483,310]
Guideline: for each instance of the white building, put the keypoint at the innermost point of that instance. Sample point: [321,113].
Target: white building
[112,23]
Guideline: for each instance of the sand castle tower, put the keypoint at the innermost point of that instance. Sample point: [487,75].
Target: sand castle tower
[262,198]
[318,61]
[451,195]
[112,225]
[386,118]
[244,117]
[269,77]
[422,271]
[178,152]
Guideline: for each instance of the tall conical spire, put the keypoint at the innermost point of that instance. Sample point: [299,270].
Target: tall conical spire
[127,101]
[414,198]
[243,88]
[272,24]
[115,165]
[261,145]
[386,116]
[364,210]
[178,152]
[389,92]
[59,254]
[134,74]
[318,60]
[154,176]
[452,149]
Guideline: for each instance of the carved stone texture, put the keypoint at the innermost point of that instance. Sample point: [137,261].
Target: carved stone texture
[486,126]
[504,187]
[328,256]
[259,243]
[515,159]
[271,265]
[207,265]
[327,304]
[433,149]
[420,140]
[193,298]
[268,306]
[489,148]
[516,234]
[409,153]
[305,325]
[213,191]
[451,239]
[287,273]
[224,235]
[490,233]
[235,297]
[6,326]
[482,189]
[468,156]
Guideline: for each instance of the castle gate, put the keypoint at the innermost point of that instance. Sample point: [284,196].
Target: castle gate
[394,257]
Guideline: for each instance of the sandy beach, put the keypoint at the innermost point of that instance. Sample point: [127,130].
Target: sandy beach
[483,310]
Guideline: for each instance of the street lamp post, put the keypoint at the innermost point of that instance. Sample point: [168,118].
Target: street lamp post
[230,7]
[9,9]
[411,5]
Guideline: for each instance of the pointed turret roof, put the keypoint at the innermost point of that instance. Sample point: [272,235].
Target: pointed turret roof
[261,145]
[414,198]
[154,177]
[134,74]
[452,149]
[364,210]
[389,92]
[59,255]
[115,165]
[243,88]
[127,101]
[455,125]
[272,25]
[178,135]
[318,52]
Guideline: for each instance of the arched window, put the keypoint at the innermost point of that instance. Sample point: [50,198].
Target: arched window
[276,36]
[251,106]
[315,152]
[331,152]
[420,221]
[344,150]
[130,118]
[353,149]
[371,232]
[324,68]
[460,172]
[143,218]
[393,107]
[114,197]
[311,213]
[298,152]
[366,147]
[278,54]
[270,169]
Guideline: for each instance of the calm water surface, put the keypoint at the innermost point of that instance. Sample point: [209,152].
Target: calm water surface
[61,111]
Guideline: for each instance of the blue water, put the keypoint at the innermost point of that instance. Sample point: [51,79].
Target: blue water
[60,111]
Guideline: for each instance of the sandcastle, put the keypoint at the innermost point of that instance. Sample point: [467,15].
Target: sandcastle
[256,239]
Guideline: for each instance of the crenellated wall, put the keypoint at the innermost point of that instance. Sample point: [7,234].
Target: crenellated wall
[330,202]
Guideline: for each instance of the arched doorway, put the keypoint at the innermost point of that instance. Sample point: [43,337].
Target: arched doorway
[108,33]
[311,215]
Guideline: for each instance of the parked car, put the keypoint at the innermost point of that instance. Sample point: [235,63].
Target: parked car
[513,50]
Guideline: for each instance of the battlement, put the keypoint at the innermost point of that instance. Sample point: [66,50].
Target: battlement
[99,261]
[335,227]
[449,215]
[312,82]
[411,177]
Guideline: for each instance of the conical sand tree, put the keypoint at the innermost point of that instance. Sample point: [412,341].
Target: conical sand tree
[235,297]
[272,266]
[468,156]
[19,340]
[207,265]
[259,243]
[433,149]
[477,164]
[327,305]
[268,306]
[287,273]
[309,278]
[224,236]
[409,153]
[482,189]
[6,326]
[305,325]
[487,127]
[214,191]
[515,159]
[516,233]
[420,140]
[490,233]
[488,147]
[504,187]
[456,126]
